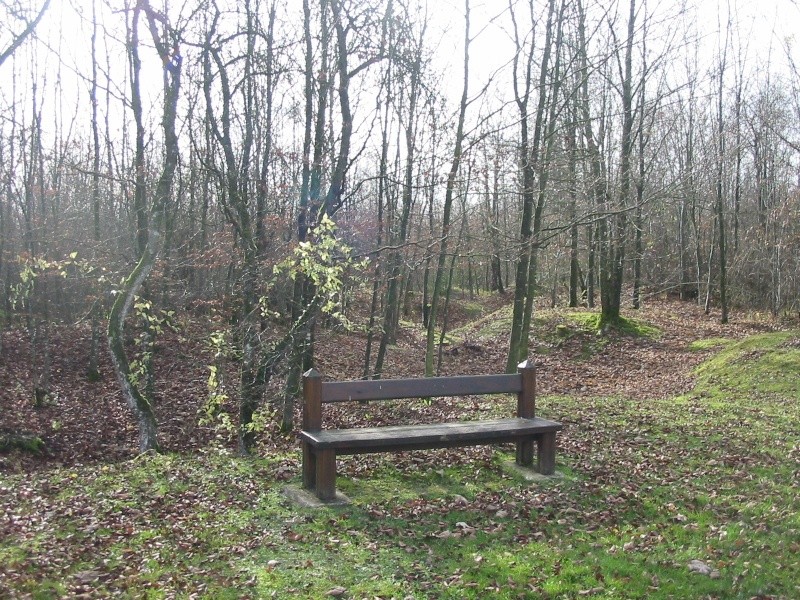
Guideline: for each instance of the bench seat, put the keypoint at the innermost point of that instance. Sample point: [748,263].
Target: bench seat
[428,436]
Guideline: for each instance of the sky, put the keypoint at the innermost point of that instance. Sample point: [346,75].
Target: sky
[765,27]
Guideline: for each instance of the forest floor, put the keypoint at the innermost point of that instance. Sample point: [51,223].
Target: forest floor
[83,422]
[679,473]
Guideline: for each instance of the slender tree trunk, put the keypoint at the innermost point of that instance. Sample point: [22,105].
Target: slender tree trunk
[310,185]
[36,234]
[373,310]
[5,200]
[426,287]
[392,271]
[572,149]
[377,274]
[529,158]
[591,265]
[613,259]
[689,278]
[493,224]
[263,185]
[237,200]
[720,201]
[598,232]
[543,174]
[138,403]
[319,206]
[301,353]
[92,369]
[638,249]
[449,291]
[392,306]
[710,270]
[737,189]
[448,204]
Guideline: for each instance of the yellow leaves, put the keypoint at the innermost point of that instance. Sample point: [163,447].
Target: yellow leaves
[325,261]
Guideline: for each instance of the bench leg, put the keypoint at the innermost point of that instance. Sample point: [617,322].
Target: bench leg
[525,453]
[326,475]
[546,453]
[309,467]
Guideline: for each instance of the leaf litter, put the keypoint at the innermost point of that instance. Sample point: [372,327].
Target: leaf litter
[617,440]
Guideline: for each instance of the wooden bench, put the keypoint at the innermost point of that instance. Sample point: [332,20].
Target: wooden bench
[320,446]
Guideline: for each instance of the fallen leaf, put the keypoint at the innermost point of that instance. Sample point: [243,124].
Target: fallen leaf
[336,592]
[698,566]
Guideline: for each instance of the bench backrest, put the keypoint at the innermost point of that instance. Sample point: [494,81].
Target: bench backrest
[316,392]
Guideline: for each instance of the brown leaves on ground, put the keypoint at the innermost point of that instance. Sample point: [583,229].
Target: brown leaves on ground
[84,421]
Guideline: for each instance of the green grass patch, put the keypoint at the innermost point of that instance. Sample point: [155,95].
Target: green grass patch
[710,343]
[590,321]
[491,326]
[766,364]
[471,308]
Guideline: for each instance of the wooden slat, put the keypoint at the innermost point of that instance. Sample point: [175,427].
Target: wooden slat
[428,387]
[441,435]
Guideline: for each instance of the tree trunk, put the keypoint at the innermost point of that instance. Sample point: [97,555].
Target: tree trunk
[448,204]
[598,233]
[529,158]
[572,149]
[720,200]
[543,174]
[392,308]
[614,233]
[92,368]
[139,405]
[638,250]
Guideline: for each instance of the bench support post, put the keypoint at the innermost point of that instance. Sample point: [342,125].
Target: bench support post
[309,467]
[526,398]
[526,409]
[312,421]
[546,454]
[525,453]
[326,475]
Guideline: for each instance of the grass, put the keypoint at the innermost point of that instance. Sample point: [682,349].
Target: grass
[553,327]
[646,487]
[710,344]
[489,326]
[590,321]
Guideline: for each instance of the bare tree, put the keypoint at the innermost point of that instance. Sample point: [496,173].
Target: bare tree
[438,285]
[410,66]
[92,369]
[20,24]
[529,149]
[370,26]
[720,199]
[140,405]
